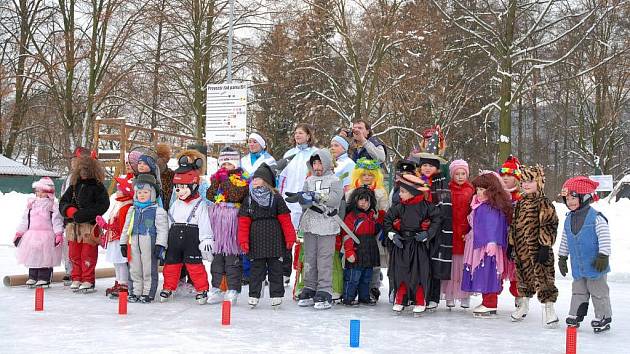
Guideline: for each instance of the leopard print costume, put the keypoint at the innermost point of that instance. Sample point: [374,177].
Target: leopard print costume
[534,224]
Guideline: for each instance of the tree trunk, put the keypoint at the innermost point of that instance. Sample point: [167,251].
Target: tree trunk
[505,106]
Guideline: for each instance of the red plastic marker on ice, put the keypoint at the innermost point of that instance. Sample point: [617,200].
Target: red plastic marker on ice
[39,299]
[122,303]
[571,340]
[226,313]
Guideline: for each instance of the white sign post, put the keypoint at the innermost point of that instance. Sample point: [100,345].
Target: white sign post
[226,114]
[605,182]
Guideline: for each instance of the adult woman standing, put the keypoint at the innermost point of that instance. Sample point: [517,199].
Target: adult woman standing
[258,154]
[292,178]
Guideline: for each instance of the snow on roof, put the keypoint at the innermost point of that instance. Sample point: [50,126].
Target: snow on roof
[14,168]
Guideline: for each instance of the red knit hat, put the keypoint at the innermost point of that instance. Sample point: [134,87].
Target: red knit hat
[124,186]
[511,167]
[579,185]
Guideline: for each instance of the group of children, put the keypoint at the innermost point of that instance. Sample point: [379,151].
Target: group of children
[441,235]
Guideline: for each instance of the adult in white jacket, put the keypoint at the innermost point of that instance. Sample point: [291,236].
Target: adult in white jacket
[257,154]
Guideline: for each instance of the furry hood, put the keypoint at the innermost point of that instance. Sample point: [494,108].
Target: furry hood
[192,156]
[534,173]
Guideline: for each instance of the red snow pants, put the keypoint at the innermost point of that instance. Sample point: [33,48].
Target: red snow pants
[83,257]
[196,272]
[402,291]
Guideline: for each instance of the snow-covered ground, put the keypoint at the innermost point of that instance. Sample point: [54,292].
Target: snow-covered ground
[90,323]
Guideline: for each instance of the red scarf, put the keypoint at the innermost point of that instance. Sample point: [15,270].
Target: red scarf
[413,201]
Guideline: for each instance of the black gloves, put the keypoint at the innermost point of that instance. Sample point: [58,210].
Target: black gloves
[421,236]
[160,253]
[562,265]
[601,262]
[123,250]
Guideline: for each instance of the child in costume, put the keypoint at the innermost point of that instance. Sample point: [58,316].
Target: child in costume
[321,198]
[361,255]
[264,233]
[39,235]
[190,238]
[144,237]
[461,196]
[368,173]
[486,243]
[85,199]
[511,175]
[113,229]
[532,235]
[432,169]
[228,189]
[408,244]
[586,240]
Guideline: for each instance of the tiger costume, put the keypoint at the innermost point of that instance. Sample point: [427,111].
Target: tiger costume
[532,232]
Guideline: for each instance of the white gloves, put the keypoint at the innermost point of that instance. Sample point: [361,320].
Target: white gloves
[205,247]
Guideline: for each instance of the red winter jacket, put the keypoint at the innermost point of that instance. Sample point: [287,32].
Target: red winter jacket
[363,225]
[461,195]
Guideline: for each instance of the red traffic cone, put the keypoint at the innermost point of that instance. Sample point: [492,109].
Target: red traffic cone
[226,313]
[39,299]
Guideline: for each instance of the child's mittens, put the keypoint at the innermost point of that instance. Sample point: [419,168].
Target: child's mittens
[123,250]
[71,211]
[245,247]
[160,253]
[562,265]
[206,250]
[421,236]
[543,255]
[100,221]
[17,238]
[58,240]
[396,239]
[601,262]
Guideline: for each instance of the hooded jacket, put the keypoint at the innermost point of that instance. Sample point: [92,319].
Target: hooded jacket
[329,192]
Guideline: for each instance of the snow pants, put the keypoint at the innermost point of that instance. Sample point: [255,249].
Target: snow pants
[231,266]
[357,280]
[141,264]
[183,250]
[40,273]
[318,261]
[594,289]
[402,292]
[273,268]
[83,257]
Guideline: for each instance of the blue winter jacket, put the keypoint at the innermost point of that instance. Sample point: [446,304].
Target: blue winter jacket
[583,247]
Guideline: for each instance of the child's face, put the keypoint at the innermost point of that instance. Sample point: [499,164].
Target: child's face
[481,194]
[128,168]
[119,194]
[573,203]
[509,180]
[363,204]
[404,195]
[228,166]
[300,136]
[427,169]
[336,149]
[318,168]
[143,195]
[529,187]
[460,176]
[40,194]
[258,182]
[143,167]
[367,178]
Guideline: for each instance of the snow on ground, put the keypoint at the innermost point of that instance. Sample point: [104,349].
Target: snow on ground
[90,323]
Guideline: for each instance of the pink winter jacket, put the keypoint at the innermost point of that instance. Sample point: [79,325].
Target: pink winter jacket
[41,217]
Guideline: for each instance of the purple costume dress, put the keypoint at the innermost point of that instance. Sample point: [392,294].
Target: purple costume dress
[484,252]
